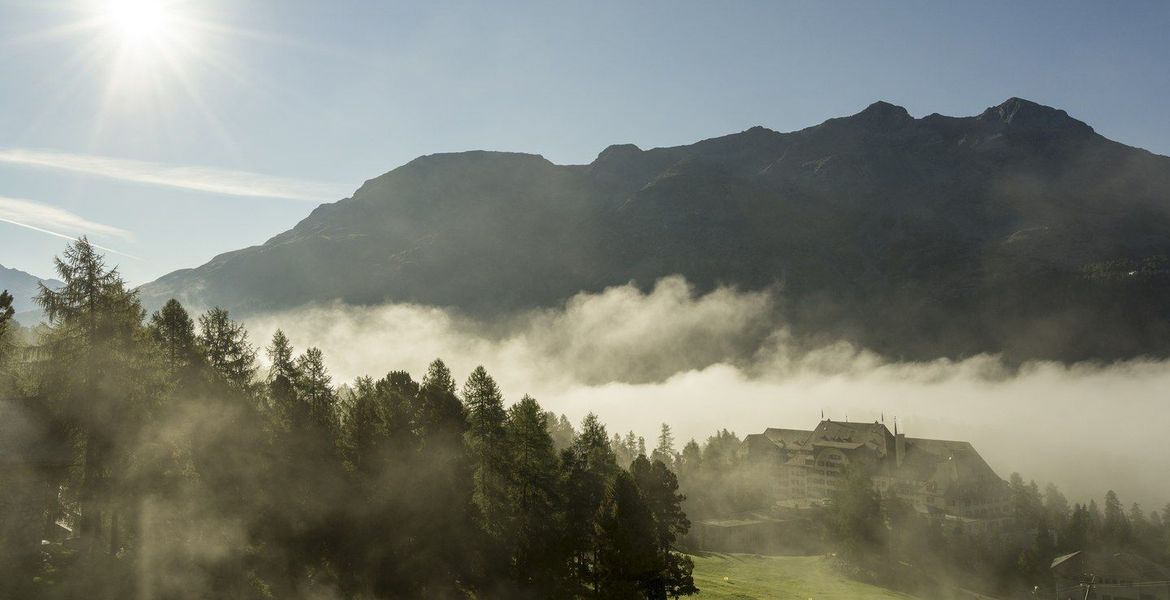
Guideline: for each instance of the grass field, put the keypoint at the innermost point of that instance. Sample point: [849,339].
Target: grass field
[748,576]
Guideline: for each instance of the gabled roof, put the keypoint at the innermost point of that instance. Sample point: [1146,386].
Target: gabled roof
[874,434]
[925,457]
[787,437]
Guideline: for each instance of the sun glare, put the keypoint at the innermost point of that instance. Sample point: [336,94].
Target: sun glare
[138,20]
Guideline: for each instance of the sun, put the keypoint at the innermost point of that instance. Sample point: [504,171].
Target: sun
[138,21]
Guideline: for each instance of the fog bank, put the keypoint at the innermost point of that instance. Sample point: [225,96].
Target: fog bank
[721,360]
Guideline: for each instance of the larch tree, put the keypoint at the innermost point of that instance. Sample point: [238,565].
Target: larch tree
[588,467]
[314,388]
[444,487]
[664,451]
[99,375]
[534,523]
[174,331]
[659,488]
[281,380]
[486,441]
[628,561]
[228,352]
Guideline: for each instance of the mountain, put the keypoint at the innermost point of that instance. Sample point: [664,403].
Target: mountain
[1019,230]
[24,287]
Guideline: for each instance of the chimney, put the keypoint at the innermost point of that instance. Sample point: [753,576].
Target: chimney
[899,448]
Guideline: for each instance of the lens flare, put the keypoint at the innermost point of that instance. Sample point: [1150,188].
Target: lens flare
[139,20]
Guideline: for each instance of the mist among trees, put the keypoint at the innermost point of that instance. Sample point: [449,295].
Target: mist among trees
[158,458]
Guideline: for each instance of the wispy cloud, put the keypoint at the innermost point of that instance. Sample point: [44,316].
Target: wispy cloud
[57,222]
[203,179]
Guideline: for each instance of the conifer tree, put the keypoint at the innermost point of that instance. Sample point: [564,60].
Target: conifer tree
[98,374]
[534,522]
[281,380]
[487,445]
[587,468]
[1115,526]
[6,311]
[628,561]
[561,430]
[659,488]
[446,519]
[174,331]
[225,344]
[664,451]
[314,389]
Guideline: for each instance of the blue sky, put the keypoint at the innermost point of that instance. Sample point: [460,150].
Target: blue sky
[231,120]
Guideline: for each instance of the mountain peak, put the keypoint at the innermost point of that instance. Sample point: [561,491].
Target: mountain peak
[883,113]
[1020,113]
[618,152]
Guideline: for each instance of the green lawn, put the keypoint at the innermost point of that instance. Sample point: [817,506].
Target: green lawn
[749,576]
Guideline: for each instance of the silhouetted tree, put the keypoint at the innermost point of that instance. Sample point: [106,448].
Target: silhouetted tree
[97,371]
[664,451]
[487,447]
[535,523]
[226,347]
[629,564]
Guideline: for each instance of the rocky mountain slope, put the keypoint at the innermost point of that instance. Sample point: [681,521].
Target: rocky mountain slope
[1019,230]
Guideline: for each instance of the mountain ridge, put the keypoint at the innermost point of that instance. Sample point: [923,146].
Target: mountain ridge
[24,287]
[881,228]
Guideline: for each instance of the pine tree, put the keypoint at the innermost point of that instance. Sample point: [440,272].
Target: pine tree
[659,488]
[691,459]
[561,430]
[487,445]
[592,444]
[1056,506]
[6,311]
[363,429]
[281,381]
[664,451]
[225,344]
[534,523]
[96,371]
[1076,531]
[448,531]
[1115,527]
[174,331]
[1096,521]
[587,468]
[628,561]
[314,389]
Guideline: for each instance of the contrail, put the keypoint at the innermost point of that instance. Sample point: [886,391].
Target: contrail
[67,237]
[203,179]
[43,215]
[40,217]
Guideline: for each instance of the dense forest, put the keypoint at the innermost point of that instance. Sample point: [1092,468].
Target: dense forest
[157,459]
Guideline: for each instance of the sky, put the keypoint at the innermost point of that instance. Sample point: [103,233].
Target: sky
[170,131]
